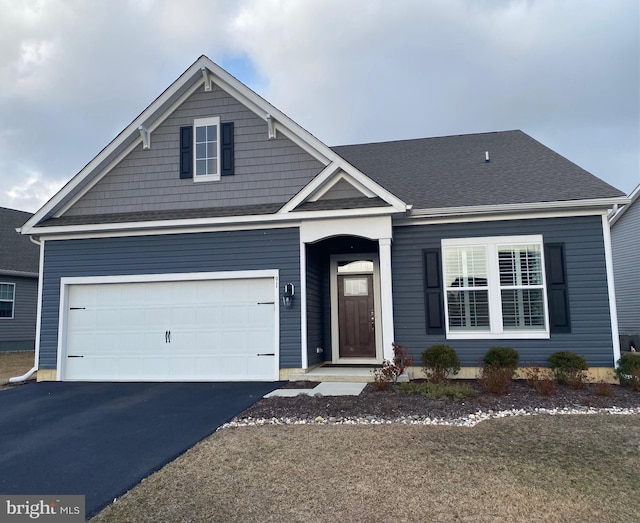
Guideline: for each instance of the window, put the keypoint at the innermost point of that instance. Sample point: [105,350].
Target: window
[7,297]
[206,149]
[494,287]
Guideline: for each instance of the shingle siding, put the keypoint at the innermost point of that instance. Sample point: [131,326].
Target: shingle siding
[19,332]
[179,253]
[587,288]
[266,171]
[625,239]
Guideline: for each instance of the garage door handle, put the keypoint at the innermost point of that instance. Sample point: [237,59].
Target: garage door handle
[167,336]
[267,354]
[74,356]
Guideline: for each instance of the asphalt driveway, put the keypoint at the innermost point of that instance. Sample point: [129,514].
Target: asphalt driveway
[100,439]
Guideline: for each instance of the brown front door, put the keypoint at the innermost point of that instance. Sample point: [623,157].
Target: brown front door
[356,316]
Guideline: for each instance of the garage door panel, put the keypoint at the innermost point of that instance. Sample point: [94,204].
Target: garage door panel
[217,330]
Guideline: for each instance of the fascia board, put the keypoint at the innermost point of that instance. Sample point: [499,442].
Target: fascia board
[161,225]
[520,207]
[113,145]
[633,197]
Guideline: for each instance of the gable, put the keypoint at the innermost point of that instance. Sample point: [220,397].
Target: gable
[267,171]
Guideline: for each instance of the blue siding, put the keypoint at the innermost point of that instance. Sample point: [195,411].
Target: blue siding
[19,332]
[178,253]
[587,287]
[315,310]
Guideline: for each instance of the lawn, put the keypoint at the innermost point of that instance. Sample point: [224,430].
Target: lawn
[539,468]
[14,364]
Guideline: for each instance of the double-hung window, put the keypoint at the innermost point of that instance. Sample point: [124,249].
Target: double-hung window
[7,300]
[495,287]
[206,149]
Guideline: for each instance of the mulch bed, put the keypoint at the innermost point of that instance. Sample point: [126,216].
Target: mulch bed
[390,404]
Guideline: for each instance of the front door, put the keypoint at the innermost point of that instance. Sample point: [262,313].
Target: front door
[356,316]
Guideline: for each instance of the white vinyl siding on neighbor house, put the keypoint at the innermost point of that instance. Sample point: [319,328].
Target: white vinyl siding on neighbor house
[206,149]
[7,300]
[494,287]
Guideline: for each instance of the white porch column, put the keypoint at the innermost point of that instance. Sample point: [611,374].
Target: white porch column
[386,298]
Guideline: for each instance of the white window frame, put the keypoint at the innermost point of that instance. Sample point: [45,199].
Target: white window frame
[201,122]
[12,301]
[496,329]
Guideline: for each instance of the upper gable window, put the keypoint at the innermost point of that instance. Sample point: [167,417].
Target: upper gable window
[206,149]
[7,298]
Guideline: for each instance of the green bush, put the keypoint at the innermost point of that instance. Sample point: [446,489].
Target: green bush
[439,362]
[437,391]
[568,367]
[502,358]
[628,370]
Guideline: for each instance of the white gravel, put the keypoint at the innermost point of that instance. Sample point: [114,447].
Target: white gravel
[468,421]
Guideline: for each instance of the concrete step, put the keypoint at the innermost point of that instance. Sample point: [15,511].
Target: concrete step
[332,373]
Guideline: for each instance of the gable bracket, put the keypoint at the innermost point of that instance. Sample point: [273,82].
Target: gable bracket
[145,134]
[271,126]
[208,79]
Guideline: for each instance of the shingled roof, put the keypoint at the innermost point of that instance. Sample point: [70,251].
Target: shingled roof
[19,255]
[451,171]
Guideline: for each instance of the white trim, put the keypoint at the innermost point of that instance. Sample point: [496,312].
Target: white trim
[496,328]
[519,207]
[372,228]
[303,306]
[337,179]
[613,310]
[39,304]
[377,306]
[66,282]
[160,225]
[203,122]
[386,298]
[175,230]
[410,221]
[343,171]
[635,194]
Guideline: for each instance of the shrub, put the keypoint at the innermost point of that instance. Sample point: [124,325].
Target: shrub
[496,380]
[439,362]
[454,391]
[603,388]
[568,367]
[392,370]
[502,357]
[538,379]
[628,370]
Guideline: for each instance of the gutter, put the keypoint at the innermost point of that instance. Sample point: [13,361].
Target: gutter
[30,372]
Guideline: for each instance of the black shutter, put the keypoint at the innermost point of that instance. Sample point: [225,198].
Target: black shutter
[557,291]
[433,297]
[186,152]
[227,149]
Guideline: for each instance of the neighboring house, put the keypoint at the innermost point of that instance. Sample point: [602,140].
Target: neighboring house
[216,239]
[625,240]
[18,283]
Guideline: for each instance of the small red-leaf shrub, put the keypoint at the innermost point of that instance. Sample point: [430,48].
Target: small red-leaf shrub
[496,380]
[604,389]
[392,370]
[538,379]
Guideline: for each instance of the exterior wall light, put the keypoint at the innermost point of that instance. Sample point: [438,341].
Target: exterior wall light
[288,293]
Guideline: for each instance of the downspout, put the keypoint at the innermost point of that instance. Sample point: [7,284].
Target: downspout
[30,372]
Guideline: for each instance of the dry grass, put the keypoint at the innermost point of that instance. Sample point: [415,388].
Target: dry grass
[14,364]
[562,468]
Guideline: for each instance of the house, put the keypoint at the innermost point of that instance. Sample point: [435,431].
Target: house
[18,283]
[625,241]
[216,239]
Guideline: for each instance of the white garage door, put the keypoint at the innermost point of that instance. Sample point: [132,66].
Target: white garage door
[171,331]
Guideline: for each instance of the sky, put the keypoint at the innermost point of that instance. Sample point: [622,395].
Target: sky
[74,73]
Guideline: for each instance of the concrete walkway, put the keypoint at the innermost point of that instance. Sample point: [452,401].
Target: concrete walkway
[326,388]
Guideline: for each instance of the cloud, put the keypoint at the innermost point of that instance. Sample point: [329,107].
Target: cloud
[31,193]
